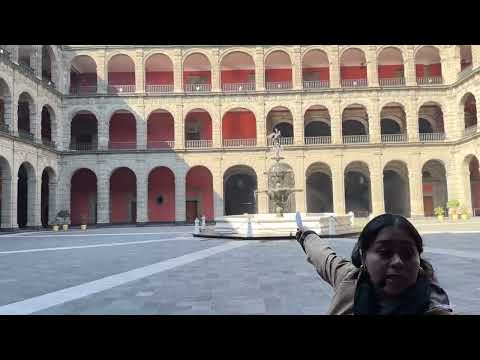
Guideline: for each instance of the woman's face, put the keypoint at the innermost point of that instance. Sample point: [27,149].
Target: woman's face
[392,261]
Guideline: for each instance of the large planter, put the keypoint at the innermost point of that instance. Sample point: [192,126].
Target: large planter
[65,227]
[440,217]
[454,216]
[83,227]
[55,227]
[464,216]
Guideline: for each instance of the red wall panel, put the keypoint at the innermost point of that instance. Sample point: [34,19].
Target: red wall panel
[83,190]
[274,75]
[123,188]
[239,125]
[323,72]
[435,70]
[86,79]
[353,72]
[389,71]
[121,78]
[160,127]
[206,124]
[203,74]
[161,182]
[159,78]
[123,129]
[199,179]
[236,76]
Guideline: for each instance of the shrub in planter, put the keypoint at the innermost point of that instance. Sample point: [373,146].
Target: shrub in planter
[464,213]
[83,220]
[439,212]
[453,206]
[64,214]
[55,225]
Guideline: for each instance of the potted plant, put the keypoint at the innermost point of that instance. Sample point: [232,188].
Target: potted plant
[439,213]
[64,214]
[55,225]
[83,220]
[452,206]
[464,213]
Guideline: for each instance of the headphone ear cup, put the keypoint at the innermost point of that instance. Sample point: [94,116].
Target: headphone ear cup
[357,256]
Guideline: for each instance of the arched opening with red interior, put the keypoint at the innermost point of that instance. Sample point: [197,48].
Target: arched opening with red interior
[161,195]
[49,65]
[123,196]
[83,75]
[47,197]
[122,130]
[237,72]
[239,128]
[355,127]
[317,125]
[430,122]
[469,113]
[160,130]
[315,70]
[83,197]
[26,57]
[198,129]
[393,123]
[197,73]
[428,66]
[5,106]
[158,74]
[239,186]
[5,192]
[281,118]
[358,197]
[84,131]
[121,74]
[278,71]
[474,182]
[48,119]
[199,194]
[26,113]
[465,57]
[396,188]
[353,68]
[434,186]
[390,67]
[26,195]
[319,188]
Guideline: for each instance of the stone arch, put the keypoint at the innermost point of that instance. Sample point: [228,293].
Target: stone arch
[199,193]
[121,73]
[239,187]
[280,117]
[390,63]
[83,74]
[315,68]
[161,194]
[239,124]
[355,113]
[83,196]
[84,130]
[468,108]
[278,69]
[197,126]
[26,195]
[431,111]
[428,62]
[159,72]
[434,186]
[319,189]
[197,71]
[5,105]
[396,188]
[317,121]
[122,130]
[123,195]
[50,65]
[26,115]
[48,125]
[160,129]
[237,71]
[395,112]
[358,198]
[471,171]
[48,196]
[5,193]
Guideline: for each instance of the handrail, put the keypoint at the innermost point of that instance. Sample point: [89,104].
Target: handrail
[278,85]
[160,144]
[430,80]
[158,88]
[432,136]
[318,140]
[239,142]
[197,87]
[121,89]
[233,87]
[122,145]
[355,139]
[391,81]
[83,89]
[283,141]
[317,84]
[354,82]
[394,138]
[470,130]
[198,144]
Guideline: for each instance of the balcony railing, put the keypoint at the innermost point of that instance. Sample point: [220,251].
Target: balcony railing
[317,84]
[48,142]
[25,134]
[239,142]
[122,145]
[83,89]
[356,139]
[283,141]
[467,70]
[27,69]
[83,146]
[354,82]
[391,81]
[432,136]
[4,53]
[234,87]
[278,85]
[470,130]
[429,80]
[121,89]
[476,211]
[393,138]
[48,83]
[198,144]
[162,144]
[161,88]
[4,128]
[318,140]
[198,87]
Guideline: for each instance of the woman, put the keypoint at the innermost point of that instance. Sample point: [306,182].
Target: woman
[386,276]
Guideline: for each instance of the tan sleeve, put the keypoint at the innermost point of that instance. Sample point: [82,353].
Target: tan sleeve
[331,267]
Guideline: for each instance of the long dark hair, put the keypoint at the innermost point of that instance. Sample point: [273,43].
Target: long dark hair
[377,224]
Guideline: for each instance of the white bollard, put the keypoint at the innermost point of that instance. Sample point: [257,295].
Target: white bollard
[203,223]
[332,228]
[249,227]
[196,230]
[352,218]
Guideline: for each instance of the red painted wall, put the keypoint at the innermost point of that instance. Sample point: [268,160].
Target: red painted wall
[353,72]
[427,188]
[160,127]
[161,181]
[236,76]
[203,74]
[83,187]
[239,125]
[200,177]
[389,71]
[435,70]
[206,121]
[123,187]
[86,79]
[476,195]
[323,72]
[159,78]
[121,78]
[123,129]
[274,75]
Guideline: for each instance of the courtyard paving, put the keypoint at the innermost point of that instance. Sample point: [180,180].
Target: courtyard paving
[164,270]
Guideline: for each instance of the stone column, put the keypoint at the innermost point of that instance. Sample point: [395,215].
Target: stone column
[215,71]
[139,72]
[338,185]
[36,121]
[336,122]
[103,193]
[261,123]
[179,127]
[217,123]
[62,199]
[262,185]
[298,128]
[374,127]
[141,127]
[297,68]
[333,57]
[416,186]
[36,60]
[9,205]
[452,127]
[180,193]
[409,66]
[14,118]
[102,73]
[52,201]
[450,63]
[103,131]
[33,210]
[376,184]
[259,69]
[14,53]
[475,56]
[177,71]
[372,69]
[411,114]
[142,192]
[217,171]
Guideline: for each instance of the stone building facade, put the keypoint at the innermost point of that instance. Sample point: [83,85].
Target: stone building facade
[119,134]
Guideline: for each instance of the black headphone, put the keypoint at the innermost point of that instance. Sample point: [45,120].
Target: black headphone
[357,255]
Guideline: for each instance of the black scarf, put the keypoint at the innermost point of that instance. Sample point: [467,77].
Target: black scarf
[412,301]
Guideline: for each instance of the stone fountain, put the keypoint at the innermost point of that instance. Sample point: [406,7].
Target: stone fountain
[280,224]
